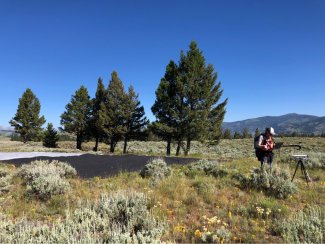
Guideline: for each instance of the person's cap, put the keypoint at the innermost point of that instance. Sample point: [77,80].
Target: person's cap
[272,132]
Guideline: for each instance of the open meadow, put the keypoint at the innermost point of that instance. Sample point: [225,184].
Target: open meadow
[224,197]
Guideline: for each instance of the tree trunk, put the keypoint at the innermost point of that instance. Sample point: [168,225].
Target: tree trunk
[112,146]
[96,145]
[125,145]
[178,148]
[168,146]
[188,146]
[79,141]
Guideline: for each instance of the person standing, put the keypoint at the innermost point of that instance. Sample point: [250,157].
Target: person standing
[265,146]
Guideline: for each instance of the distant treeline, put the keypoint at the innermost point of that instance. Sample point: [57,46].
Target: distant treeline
[186,108]
[227,134]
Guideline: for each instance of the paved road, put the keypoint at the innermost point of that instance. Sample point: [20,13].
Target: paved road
[88,165]
[13,155]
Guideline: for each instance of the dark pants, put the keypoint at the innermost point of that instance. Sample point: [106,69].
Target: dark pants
[266,158]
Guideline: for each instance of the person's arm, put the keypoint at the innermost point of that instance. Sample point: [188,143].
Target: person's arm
[260,143]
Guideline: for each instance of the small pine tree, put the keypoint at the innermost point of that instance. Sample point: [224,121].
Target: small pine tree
[77,115]
[50,136]
[246,133]
[135,118]
[27,121]
[257,132]
[227,134]
[237,135]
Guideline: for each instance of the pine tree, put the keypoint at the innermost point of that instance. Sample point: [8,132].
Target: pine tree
[112,114]
[246,133]
[165,106]
[95,123]
[135,118]
[237,135]
[257,132]
[77,115]
[203,114]
[50,136]
[227,134]
[27,121]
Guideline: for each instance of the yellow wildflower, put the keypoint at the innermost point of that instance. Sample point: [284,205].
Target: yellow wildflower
[212,220]
[180,228]
[229,214]
[198,234]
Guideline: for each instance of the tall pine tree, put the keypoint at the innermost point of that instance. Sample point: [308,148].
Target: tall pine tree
[165,106]
[112,114]
[201,94]
[27,121]
[96,126]
[136,121]
[77,115]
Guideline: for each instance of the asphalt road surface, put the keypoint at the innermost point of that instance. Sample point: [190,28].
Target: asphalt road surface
[89,165]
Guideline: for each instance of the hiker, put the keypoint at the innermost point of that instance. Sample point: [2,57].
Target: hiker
[264,146]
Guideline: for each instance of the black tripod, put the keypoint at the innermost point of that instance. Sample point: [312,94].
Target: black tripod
[300,159]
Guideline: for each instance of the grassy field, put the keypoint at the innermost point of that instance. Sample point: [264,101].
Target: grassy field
[194,205]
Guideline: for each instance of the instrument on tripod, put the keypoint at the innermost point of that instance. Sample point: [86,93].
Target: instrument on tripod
[301,159]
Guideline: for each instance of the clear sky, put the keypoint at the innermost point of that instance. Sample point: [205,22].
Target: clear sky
[269,54]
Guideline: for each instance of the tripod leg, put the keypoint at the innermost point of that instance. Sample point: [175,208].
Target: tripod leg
[295,171]
[305,173]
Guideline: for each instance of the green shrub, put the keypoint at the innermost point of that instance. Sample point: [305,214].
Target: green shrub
[120,218]
[306,226]
[45,186]
[208,167]
[276,183]
[204,188]
[45,179]
[5,180]
[156,169]
[316,160]
[40,167]
[221,235]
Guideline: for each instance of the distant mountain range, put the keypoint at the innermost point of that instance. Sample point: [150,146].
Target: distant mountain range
[6,129]
[285,124]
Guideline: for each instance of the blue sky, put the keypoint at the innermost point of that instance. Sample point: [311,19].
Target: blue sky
[269,55]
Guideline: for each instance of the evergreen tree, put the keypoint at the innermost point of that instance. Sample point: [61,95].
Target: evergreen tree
[96,126]
[257,132]
[203,114]
[246,133]
[227,134]
[77,115]
[237,135]
[165,106]
[112,114]
[27,121]
[50,136]
[135,119]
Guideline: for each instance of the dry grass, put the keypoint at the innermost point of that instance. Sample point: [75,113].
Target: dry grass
[227,149]
[192,205]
